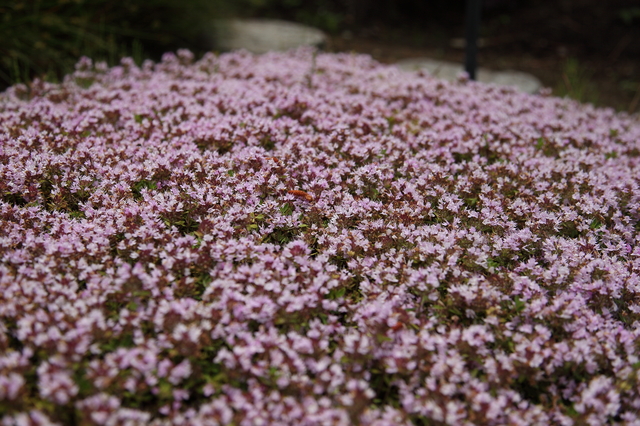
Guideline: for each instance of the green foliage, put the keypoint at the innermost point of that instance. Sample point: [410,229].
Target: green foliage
[371,192]
[493,263]
[623,311]
[577,82]
[287,209]
[195,289]
[184,221]
[349,290]
[462,157]
[137,187]
[547,148]
[114,240]
[339,260]
[518,305]
[14,199]
[45,38]
[512,308]
[124,340]
[60,198]
[629,15]
[336,293]
[529,389]
[386,392]
[595,224]
[281,235]
[267,143]
[610,155]
[256,220]
[569,230]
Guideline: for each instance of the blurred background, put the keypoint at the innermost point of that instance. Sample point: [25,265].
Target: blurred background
[586,49]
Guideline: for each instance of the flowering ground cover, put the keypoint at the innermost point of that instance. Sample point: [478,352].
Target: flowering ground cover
[314,239]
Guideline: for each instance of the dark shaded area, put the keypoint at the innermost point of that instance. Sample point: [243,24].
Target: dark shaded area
[586,49]
[472,26]
[45,38]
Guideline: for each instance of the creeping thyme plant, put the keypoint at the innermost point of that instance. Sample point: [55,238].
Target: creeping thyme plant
[314,239]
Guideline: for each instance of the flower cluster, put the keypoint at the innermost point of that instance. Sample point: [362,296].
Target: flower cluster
[314,239]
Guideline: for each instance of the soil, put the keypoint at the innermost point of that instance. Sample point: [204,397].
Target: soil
[584,49]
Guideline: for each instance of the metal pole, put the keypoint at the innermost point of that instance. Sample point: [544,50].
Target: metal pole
[473,24]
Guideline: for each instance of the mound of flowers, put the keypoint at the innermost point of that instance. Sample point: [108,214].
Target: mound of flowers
[314,239]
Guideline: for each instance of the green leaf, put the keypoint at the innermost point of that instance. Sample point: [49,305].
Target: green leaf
[336,293]
[595,224]
[79,377]
[492,263]
[571,411]
[287,209]
[610,155]
[381,338]
[455,311]
[165,390]
[519,304]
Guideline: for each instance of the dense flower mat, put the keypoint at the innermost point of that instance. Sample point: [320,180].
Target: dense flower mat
[314,239]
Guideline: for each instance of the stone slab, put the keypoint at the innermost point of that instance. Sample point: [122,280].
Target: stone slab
[264,35]
[451,70]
